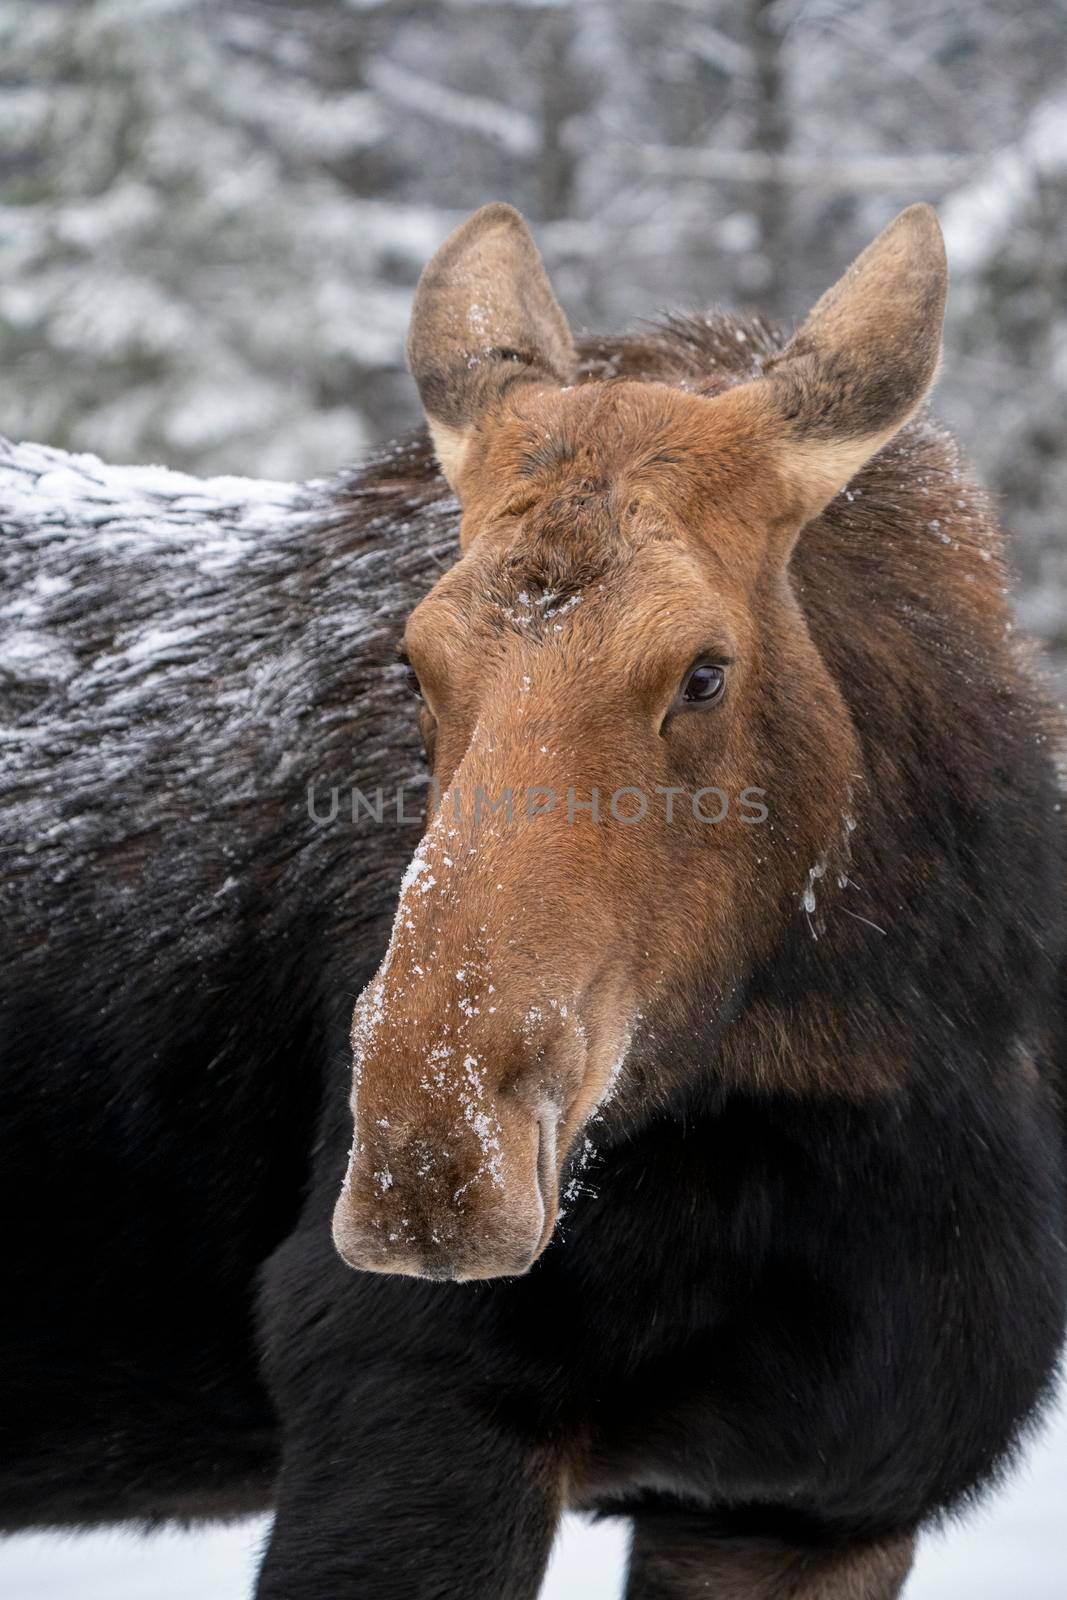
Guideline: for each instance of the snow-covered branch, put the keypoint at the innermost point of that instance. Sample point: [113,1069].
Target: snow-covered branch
[513,130]
[717,49]
[978,217]
[876,173]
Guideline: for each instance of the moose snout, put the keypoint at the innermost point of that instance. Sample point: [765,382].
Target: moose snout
[477,1200]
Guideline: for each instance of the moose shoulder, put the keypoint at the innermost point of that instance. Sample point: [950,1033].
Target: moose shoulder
[707,1144]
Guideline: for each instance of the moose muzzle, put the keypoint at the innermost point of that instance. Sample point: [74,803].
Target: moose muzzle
[473,1195]
[480,1049]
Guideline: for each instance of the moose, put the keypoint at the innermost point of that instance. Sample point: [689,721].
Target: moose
[704,1173]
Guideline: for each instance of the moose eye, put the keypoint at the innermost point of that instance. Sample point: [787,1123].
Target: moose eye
[704,684]
[409,675]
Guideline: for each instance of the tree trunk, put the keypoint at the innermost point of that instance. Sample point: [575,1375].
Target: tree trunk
[770,137]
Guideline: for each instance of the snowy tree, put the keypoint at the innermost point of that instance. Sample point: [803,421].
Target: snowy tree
[185,274]
[213,214]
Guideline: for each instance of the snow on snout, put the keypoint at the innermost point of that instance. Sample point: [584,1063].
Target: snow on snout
[452,1076]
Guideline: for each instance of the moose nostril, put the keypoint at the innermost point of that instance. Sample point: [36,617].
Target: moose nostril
[547,1124]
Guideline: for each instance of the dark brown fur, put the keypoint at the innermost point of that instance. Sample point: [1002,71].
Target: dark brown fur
[670,1560]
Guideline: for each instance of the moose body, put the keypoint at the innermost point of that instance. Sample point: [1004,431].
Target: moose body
[798,1082]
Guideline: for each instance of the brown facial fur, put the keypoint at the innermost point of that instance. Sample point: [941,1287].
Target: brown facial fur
[613,534]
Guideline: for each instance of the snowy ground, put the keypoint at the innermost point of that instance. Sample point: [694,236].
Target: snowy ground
[1017,1547]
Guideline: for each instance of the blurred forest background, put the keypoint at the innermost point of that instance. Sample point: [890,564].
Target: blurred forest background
[213,212]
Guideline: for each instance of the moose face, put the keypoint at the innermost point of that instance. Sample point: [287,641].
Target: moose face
[637,749]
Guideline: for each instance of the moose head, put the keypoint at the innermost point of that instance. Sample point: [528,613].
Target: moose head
[642,762]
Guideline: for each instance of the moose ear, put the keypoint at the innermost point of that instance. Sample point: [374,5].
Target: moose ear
[863,360]
[484,318]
